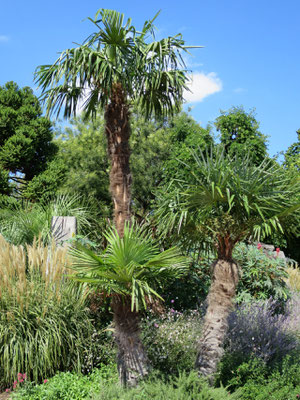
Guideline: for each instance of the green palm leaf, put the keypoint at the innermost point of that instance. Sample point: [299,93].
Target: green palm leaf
[131,266]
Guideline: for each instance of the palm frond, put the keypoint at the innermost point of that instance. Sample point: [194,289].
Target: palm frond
[152,74]
[131,265]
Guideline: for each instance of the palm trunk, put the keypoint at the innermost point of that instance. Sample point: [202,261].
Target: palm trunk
[118,132]
[220,297]
[132,360]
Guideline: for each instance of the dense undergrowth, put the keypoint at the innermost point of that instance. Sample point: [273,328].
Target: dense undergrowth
[48,325]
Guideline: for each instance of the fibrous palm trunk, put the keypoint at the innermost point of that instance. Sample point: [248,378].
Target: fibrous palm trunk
[118,132]
[132,360]
[220,297]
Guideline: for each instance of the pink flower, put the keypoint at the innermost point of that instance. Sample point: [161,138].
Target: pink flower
[156,325]
[45,380]
[172,310]
[277,250]
[259,246]
[8,390]
[15,384]
[24,376]
[172,301]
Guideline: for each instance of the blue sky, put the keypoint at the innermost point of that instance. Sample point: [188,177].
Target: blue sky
[251,55]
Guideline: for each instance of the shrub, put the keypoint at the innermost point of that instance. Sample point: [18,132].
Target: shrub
[100,350]
[103,382]
[280,384]
[68,386]
[44,324]
[262,275]
[185,386]
[256,330]
[171,340]
[191,290]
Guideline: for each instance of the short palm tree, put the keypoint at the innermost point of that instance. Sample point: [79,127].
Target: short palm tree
[115,67]
[224,202]
[129,272]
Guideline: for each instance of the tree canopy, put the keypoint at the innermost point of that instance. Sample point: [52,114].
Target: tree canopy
[26,147]
[239,133]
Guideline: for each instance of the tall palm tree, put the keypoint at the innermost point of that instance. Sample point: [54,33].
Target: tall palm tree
[113,68]
[222,202]
[129,273]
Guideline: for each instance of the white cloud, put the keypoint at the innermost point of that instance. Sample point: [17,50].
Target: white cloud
[4,38]
[239,90]
[202,85]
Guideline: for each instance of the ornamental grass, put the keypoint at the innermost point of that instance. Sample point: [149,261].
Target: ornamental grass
[44,325]
[293,279]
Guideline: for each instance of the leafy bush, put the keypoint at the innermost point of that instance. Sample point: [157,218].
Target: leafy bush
[100,350]
[171,340]
[191,290]
[256,330]
[263,276]
[280,384]
[44,324]
[68,386]
[103,382]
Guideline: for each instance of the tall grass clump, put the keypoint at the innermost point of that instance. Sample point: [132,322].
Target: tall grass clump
[293,279]
[43,321]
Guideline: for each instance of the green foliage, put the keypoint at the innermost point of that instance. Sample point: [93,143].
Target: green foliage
[292,166]
[255,382]
[20,224]
[189,291]
[103,383]
[26,147]
[229,200]
[44,186]
[186,136]
[157,147]
[44,324]
[151,73]
[171,340]
[235,370]
[82,149]
[239,134]
[69,386]
[151,145]
[292,155]
[263,275]
[131,266]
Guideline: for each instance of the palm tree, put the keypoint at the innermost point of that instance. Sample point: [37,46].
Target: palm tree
[222,202]
[115,67]
[128,272]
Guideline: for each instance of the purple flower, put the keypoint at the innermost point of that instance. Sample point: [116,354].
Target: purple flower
[172,301]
